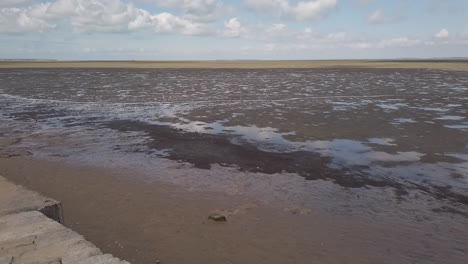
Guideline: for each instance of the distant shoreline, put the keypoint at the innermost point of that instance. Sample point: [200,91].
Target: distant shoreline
[442,64]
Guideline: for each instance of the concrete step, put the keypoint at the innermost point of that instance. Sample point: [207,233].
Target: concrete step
[28,236]
[15,198]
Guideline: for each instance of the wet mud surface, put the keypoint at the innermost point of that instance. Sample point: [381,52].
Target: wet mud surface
[405,129]
[202,150]
[367,143]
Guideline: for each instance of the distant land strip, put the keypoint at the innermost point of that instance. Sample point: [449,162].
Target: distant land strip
[443,64]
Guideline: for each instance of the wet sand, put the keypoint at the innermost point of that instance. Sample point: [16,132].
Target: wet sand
[144,222]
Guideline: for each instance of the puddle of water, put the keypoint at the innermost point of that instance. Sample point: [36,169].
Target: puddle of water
[347,152]
[344,106]
[456,118]
[434,109]
[382,141]
[459,156]
[391,107]
[397,121]
[463,127]
[344,152]
[265,135]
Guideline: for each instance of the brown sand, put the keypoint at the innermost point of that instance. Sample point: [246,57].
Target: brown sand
[403,64]
[145,222]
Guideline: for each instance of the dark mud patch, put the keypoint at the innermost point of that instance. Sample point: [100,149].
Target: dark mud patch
[202,150]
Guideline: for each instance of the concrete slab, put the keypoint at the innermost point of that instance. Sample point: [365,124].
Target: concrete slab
[31,233]
[31,237]
[15,198]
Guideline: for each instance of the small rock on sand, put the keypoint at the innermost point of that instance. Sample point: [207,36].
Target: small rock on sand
[217,217]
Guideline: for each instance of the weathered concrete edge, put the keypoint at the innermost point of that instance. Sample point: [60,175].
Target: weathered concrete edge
[17,198]
[54,212]
[51,208]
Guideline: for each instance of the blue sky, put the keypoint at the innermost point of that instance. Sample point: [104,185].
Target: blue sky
[228,29]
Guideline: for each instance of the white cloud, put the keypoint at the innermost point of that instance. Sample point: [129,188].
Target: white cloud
[168,23]
[399,42]
[103,15]
[84,15]
[257,32]
[198,10]
[303,10]
[276,28]
[337,36]
[312,10]
[361,45]
[17,20]
[387,43]
[93,16]
[267,5]
[464,34]
[276,31]
[443,34]
[378,17]
[308,35]
[233,28]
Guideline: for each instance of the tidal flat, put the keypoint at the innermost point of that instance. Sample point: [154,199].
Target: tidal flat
[441,64]
[349,164]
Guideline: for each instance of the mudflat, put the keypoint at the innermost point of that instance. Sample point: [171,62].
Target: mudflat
[333,165]
[282,64]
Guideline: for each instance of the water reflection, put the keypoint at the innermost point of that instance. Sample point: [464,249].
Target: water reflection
[448,117]
[379,157]
[344,152]
[463,127]
[382,141]
[391,107]
[398,121]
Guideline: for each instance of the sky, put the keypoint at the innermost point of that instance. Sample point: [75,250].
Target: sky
[232,30]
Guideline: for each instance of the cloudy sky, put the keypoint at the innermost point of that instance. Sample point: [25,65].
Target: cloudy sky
[228,29]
